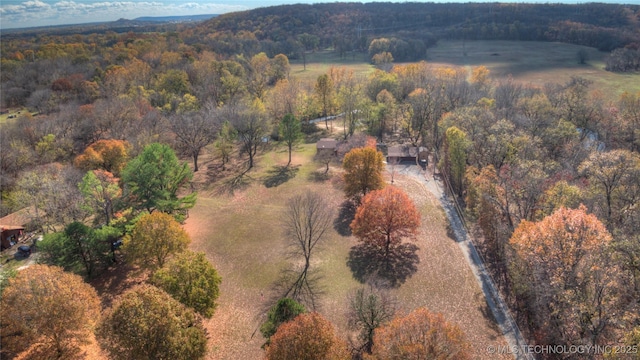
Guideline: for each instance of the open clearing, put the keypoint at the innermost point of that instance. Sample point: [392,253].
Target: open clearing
[241,235]
[529,62]
[534,62]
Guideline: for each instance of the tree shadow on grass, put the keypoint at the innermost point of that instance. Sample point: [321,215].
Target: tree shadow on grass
[306,290]
[236,183]
[280,175]
[366,261]
[345,216]
[487,314]
[319,176]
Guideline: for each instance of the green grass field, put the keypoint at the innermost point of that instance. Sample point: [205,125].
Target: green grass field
[241,234]
[11,115]
[319,62]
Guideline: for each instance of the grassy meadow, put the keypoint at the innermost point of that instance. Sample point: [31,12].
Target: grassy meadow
[238,225]
[529,62]
[319,62]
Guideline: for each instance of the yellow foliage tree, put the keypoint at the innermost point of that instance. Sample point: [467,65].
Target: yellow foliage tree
[154,238]
[363,171]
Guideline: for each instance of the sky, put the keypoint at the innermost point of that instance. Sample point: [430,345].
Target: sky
[31,13]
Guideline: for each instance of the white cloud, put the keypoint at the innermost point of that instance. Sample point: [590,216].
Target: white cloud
[39,13]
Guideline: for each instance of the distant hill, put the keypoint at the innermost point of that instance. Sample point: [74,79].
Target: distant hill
[186,18]
[141,24]
[352,26]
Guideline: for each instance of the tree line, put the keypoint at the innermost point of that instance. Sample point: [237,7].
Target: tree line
[352,26]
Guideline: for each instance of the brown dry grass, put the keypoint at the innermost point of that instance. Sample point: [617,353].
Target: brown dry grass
[444,282]
[531,62]
[241,236]
[534,62]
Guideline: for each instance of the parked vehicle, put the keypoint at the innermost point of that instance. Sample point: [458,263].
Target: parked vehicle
[24,250]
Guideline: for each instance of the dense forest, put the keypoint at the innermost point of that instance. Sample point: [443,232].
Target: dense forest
[552,162]
[350,26]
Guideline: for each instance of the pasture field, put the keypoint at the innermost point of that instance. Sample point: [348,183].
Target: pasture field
[319,62]
[238,225]
[535,62]
[529,62]
[12,114]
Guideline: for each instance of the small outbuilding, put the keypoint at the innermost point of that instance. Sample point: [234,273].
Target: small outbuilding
[9,235]
[327,146]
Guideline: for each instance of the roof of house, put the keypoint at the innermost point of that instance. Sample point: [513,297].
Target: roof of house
[10,227]
[402,151]
[18,218]
[327,143]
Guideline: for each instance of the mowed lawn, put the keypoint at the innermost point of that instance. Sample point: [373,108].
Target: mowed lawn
[242,236]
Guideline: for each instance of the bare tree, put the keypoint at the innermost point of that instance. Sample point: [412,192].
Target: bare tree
[194,131]
[251,127]
[307,218]
[370,307]
[392,164]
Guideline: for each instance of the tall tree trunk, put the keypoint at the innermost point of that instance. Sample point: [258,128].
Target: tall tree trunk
[195,160]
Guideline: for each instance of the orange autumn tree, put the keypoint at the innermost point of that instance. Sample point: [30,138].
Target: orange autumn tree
[419,335]
[47,313]
[386,217]
[565,269]
[308,336]
[110,155]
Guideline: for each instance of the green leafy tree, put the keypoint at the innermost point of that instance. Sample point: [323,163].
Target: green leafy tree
[284,310]
[174,81]
[154,178]
[291,132]
[363,171]
[147,323]
[100,190]
[280,67]
[454,162]
[309,43]
[191,279]
[154,237]
[77,248]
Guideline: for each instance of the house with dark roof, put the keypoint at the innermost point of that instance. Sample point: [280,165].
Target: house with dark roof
[327,146]
[406,153]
